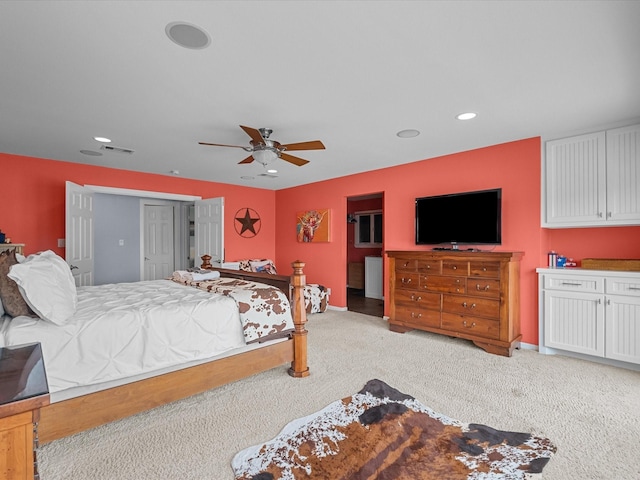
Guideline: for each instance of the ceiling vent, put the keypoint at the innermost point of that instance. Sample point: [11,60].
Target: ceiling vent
[111,148]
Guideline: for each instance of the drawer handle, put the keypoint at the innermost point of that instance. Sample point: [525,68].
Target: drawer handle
[406,280]
[464,324]
[485,288]
[413,315]
[417,299]
[464,304]
[571,284]
[633,288]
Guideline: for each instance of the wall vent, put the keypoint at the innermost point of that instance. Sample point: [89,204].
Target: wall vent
[111,148]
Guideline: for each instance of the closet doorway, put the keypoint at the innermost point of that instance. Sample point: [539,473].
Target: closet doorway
[365,245]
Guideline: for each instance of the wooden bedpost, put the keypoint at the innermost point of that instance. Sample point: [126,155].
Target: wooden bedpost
[299,367]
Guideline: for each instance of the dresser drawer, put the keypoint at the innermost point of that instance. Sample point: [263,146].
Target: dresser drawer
[483,287]
[623,286]
[418,299]
[455,267]
[406,265]
[483,307]
[437,283]
[480,327]
[407,280]
[578,283]
[484,269]
[417,316]
[429,266]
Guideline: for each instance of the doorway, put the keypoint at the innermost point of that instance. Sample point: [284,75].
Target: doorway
[365,244]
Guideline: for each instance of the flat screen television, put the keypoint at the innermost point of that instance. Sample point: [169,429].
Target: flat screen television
[471,218]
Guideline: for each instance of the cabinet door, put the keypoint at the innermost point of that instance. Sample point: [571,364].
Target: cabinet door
[574,322]
[623,175]
[623,328]
[575,181]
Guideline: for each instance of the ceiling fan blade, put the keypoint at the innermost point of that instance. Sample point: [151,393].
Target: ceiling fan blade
[221,145]
[295,160]
[313,145]
[254,133]
[249,159]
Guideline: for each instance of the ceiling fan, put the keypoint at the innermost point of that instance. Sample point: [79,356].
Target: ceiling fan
[265,151]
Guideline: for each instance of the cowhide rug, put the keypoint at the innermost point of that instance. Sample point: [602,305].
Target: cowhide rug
[381,433]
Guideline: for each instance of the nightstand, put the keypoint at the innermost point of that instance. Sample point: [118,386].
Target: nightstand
[19,247]
[23,390]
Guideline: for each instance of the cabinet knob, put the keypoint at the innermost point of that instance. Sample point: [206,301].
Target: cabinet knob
[464,324]
[466,305]
[485,288]
[413,315]
[405,280]
[454,267]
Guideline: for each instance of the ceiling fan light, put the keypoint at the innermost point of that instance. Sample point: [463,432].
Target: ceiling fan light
[264,156]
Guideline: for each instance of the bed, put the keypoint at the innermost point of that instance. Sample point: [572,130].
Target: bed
[191,361]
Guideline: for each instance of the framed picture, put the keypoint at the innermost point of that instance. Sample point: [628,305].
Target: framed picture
[313,226]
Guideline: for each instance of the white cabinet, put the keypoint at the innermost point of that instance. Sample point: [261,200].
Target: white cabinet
[590,312]
[373,277]
[593,179]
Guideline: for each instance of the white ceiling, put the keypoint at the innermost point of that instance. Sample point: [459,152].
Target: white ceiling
[349,73]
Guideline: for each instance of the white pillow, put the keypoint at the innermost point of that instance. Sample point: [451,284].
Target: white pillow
[46,284]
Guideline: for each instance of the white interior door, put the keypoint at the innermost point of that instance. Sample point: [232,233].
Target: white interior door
[209,230]
[79,233]
[158,241]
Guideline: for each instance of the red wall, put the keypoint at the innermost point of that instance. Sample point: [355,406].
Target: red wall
[33,197]
[357,254]
[514,166]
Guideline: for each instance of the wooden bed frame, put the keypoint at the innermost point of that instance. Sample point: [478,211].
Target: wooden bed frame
[77,414]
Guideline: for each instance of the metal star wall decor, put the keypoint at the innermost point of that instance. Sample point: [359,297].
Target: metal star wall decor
[247,222]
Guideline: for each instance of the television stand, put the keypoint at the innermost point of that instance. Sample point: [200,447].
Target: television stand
[470,295]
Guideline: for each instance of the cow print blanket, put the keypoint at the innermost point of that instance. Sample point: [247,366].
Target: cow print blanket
[380,433]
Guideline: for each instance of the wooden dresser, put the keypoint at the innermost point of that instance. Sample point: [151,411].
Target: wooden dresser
[465,294]
[23,391]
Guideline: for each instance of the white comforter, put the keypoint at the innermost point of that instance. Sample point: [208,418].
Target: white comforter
[126,329]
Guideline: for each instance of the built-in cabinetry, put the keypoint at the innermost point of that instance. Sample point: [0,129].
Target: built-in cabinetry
[593,179]
[471,295]
[590,312]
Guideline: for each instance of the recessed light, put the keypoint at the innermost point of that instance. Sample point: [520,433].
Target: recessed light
[466,116]
[409,133]
[187,35]
[272,170]
[102,139]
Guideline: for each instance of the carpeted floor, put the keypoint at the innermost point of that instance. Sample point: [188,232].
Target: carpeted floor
[589,411]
